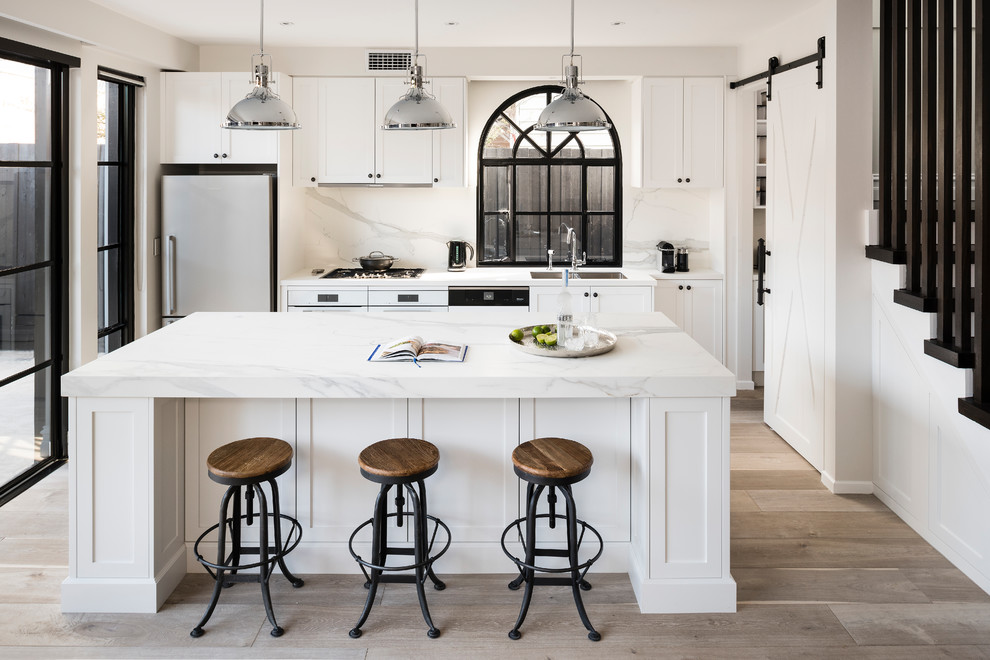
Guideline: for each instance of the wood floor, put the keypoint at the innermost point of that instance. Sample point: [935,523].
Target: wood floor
[819,576]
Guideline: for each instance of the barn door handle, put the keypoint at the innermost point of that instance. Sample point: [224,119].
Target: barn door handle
[761,268]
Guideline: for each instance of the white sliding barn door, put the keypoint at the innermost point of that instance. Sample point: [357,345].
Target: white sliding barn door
[795,308]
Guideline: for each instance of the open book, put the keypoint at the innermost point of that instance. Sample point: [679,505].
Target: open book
[416,350]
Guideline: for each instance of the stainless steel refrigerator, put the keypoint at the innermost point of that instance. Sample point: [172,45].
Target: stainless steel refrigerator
[217,244]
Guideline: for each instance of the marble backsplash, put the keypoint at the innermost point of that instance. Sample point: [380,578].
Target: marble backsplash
[414,224]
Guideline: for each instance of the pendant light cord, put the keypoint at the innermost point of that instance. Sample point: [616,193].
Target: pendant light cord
[572,30]
[262,38]
[416,23]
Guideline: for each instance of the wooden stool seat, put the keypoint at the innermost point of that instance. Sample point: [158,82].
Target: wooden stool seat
[547,460]
[252,459]
[400,459]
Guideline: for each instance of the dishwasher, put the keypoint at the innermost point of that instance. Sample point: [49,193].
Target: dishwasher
[487,298]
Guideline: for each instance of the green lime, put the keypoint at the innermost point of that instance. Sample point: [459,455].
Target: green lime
[551,340]
[516,335]
[541,338]
[539,330]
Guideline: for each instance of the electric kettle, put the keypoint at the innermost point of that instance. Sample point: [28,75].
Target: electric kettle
[457,255]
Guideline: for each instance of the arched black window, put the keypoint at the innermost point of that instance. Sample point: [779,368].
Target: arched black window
[529,182]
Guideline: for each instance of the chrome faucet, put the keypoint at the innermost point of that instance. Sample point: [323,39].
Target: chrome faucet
[549,259]
[571,239]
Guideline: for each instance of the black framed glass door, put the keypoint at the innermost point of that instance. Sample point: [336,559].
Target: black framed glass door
[33,229]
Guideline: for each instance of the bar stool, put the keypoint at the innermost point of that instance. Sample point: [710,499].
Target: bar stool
[249,463]
[555,463]
[400,462]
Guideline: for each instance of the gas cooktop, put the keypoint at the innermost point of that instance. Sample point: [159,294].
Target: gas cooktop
[361,274]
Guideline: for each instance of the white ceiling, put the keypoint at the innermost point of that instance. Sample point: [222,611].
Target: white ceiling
[483,23]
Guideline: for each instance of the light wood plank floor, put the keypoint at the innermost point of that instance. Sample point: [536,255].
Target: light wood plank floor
[819,575]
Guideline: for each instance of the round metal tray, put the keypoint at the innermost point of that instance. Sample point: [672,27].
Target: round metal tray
[604,343]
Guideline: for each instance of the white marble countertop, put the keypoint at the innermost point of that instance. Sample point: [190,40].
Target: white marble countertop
[492,276]
[325,356]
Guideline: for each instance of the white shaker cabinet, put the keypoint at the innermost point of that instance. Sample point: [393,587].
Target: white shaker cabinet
[682,132]
[194,105]
[591,299]
[344,143]
[695,306]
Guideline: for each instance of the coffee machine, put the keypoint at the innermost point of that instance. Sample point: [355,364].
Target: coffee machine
[666,260]
[457,255]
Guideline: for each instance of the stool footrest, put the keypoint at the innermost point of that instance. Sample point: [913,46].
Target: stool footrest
[517,525]
[399,579]
[292,538]
[551,552]
[555,581]
[426,563]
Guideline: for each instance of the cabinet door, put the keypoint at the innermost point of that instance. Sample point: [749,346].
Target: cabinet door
[191,112]
[703,314]
[757,332]
[666,299]
[602,425]
[546,299]
[400,156]
[240,146]
[663,119]
[211,423]
[306,141]
[347,119]
[622,299]
[448,144]
[703,132]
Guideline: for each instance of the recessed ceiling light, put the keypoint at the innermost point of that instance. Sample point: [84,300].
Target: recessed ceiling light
[617,23]
[451,23]
[286,23]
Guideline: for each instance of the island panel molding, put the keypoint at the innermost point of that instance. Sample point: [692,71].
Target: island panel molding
[654,411]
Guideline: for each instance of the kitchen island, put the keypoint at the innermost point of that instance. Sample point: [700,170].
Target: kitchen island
[143,419]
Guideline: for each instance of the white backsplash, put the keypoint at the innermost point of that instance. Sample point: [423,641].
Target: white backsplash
[414,224]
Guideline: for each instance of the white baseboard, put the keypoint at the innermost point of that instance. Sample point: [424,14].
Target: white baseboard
[745,385]
[847,487]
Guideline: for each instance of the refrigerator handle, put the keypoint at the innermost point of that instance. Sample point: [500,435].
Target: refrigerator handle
[170,274]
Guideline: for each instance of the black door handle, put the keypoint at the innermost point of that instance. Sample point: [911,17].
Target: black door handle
[761,268]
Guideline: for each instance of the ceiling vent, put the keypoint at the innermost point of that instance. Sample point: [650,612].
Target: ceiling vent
[379,60]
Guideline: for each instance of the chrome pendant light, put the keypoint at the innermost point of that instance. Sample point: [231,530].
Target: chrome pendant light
[261,109]
[572,111]
[417,110]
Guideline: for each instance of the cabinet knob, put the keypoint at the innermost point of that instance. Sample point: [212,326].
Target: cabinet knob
[223,156]
[680,287]
[313,179]
[378,176]
[595,295]
[216,155]
[687,180]
[370,176]
[679,181]
[586,294]
[436,180]
[688,287]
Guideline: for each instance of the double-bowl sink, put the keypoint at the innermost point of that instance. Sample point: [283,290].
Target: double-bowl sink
[574,275]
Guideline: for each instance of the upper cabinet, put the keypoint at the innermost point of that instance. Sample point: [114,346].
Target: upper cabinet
[194,105]
[682,132]
[341,141]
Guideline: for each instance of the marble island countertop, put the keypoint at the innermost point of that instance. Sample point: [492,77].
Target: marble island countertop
[494,276]
[281,355]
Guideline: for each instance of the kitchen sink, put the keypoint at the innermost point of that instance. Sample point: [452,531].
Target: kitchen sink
[582,275]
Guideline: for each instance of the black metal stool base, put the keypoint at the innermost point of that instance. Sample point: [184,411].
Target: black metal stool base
[225,571]
[376,572]
[528,567]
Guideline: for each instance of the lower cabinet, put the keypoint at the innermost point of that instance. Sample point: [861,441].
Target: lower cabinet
[591,299]
[696,307]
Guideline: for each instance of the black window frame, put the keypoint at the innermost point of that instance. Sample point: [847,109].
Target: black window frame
[57,262]
[123,160]
[548,160]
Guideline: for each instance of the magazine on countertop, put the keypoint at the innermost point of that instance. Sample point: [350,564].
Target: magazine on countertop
[414,349]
